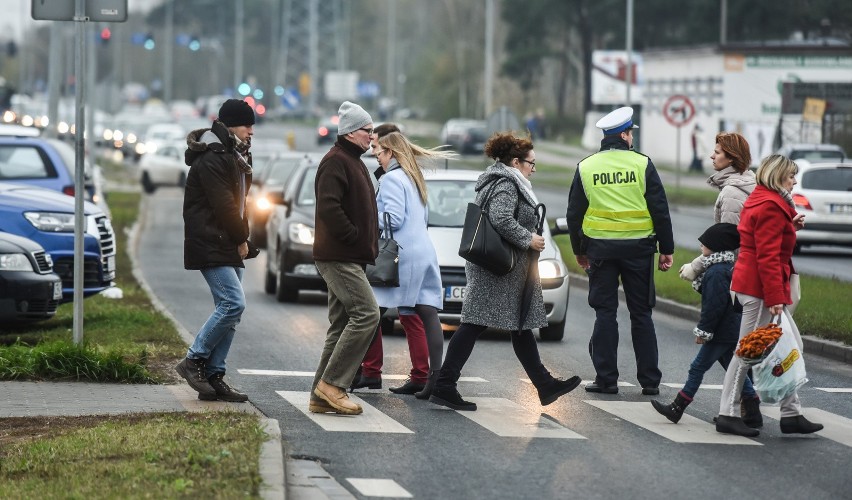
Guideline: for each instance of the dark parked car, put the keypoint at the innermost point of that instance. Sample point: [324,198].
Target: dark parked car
[290,236]
[46,163]
[47,217]
[327,130]
[29,289]
[465,136]
[271,178]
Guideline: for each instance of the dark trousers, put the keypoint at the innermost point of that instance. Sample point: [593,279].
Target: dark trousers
[710,353]
[637,278]
[461,346]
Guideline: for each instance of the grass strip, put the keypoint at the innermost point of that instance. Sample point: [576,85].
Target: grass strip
[820,312]
[174,455]
[61,360]
[127,327]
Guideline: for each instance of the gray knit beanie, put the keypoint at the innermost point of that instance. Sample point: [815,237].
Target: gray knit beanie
[352,117]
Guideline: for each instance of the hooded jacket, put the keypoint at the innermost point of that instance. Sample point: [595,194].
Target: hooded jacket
[213,225]
[767,239]
[734,188]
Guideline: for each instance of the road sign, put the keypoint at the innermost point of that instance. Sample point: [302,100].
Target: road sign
[96,10]
[678,110]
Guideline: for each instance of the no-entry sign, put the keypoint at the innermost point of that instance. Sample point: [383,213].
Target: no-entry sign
[678,110]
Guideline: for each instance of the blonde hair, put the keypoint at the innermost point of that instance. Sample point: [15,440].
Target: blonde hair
[774,170]
[408,154]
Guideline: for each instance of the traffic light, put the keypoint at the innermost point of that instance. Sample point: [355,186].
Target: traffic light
[149,43]
[106,34]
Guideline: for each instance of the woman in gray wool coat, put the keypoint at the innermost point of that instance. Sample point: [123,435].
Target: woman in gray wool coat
[495,301]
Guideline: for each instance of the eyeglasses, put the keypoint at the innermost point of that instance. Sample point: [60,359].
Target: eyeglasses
[368,130]
[532,163]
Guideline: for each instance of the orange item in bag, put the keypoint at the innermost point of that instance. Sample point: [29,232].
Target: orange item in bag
[757,342]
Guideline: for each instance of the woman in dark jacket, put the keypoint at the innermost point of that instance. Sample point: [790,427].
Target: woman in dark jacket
[761,280]
[495,301]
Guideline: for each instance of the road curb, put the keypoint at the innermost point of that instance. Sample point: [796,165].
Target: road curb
[812,345]
[271,464]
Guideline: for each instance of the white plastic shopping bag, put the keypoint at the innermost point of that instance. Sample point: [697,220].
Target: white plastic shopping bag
[783,370]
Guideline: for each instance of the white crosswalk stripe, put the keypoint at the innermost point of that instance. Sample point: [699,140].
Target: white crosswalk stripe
[715,387]
[508,419]
[842,390]
[688,430]
[372,420]
[380,488]
[837,428]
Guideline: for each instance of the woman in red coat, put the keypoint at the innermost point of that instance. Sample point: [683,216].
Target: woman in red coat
[761,280]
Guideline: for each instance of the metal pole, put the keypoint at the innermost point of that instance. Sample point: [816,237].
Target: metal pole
[168,51]
[80,150]
[629,37]
[489,56]
[54,75]
[723,22]
[91,87]
[313,54]
[677,158]
[390,66]
[238,45]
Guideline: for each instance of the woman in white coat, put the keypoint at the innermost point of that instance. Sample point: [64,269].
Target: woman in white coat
[402,195]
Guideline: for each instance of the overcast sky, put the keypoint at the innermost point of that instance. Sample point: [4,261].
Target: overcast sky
[16,15]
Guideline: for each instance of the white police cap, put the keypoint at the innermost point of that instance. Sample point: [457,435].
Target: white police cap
[617,121]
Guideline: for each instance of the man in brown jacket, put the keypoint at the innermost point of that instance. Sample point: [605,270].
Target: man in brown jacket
[345,241]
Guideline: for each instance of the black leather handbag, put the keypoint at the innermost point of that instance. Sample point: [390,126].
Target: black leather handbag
[385,273]
[481,244]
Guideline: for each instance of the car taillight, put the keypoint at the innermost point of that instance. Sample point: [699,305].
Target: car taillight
[69,190]
[801,201]
[323,131]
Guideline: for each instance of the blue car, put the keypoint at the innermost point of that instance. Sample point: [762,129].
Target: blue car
[47,217]
[29,289]
[36,161]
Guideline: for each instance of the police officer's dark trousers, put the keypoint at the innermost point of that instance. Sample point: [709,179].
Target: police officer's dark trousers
[637,279]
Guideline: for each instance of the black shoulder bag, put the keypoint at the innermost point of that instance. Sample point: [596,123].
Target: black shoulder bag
[385,273]
[481,244]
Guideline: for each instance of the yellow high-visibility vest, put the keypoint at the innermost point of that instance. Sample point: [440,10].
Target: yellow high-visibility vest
[614,182]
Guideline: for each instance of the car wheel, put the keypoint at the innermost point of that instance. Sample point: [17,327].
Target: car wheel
[147,185]
[553,332]
[270,284]
[284,293]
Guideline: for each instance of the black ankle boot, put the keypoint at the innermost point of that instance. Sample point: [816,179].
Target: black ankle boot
[750,410]
[734,425]
[408,387]
[556,388]
[193,371]
[224,392]
[674,410]
[798,425]
[430,384]
[451,399]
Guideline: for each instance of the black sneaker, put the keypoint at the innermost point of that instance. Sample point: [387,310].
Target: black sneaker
[557,388]
[605,389]
[451,399]
[224,392]
[650,391]
[192,370]
[408,387]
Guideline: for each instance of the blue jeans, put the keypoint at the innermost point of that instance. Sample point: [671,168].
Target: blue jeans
[214,339]
[709,353]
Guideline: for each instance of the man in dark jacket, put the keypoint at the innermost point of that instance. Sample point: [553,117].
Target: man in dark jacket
[346,240]
[216,240]
[617,213]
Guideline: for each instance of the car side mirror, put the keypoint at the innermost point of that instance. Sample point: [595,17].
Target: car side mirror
[560,226]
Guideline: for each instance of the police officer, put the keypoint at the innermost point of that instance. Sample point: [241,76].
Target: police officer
[617,213]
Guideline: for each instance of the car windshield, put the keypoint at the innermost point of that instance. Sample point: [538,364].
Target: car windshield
[277,173]
[447,201]
[828,179]
[306,195]
[818,155]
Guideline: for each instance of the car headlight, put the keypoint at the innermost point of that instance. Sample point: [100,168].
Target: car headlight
[301,233]
[550,269]
[15,262]
[263,205]
[51,222]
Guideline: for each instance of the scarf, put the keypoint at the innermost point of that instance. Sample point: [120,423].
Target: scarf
[525,183]
[241,152]
[713,258]
[787,197]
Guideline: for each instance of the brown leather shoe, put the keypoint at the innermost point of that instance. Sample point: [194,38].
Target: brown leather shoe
[317,405]
[337,398]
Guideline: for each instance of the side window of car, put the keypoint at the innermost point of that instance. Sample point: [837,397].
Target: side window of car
[22,162]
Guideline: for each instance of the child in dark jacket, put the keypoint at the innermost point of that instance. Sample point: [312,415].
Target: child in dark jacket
[719,327]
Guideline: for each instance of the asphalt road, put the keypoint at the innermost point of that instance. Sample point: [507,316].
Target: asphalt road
[582,446]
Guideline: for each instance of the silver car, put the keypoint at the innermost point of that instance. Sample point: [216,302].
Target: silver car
[823,193]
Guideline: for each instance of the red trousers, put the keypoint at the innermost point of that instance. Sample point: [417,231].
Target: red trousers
[417,348]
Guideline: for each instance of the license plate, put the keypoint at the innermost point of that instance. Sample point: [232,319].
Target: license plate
[110,264]
[57,290]
[841,208]
[454,293]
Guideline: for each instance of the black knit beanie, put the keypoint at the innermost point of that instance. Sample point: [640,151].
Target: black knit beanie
[720,237]
[236,113]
